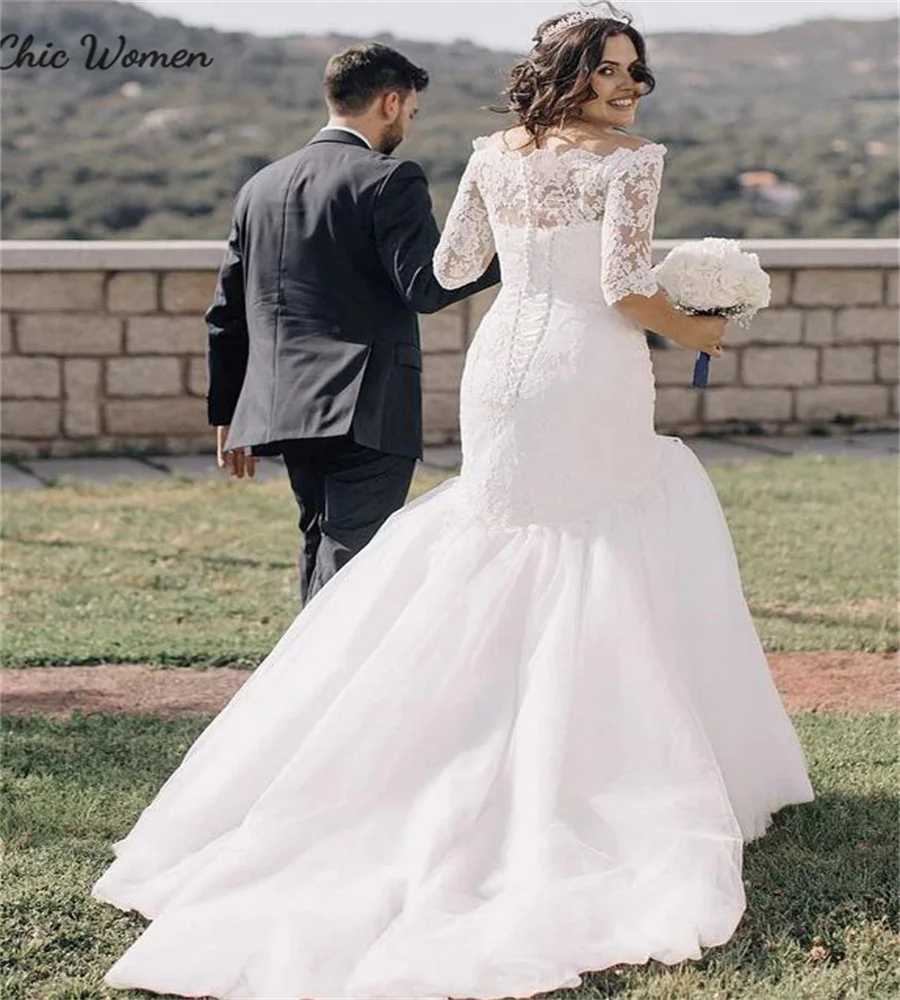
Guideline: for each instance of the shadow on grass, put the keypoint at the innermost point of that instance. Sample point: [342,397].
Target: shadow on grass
[815,617]
[823,869]
[829,857]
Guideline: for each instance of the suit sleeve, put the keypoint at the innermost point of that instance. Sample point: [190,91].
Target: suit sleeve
[228,344]
[407,236]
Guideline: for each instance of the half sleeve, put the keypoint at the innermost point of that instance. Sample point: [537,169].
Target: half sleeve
[466,247]
[628,218]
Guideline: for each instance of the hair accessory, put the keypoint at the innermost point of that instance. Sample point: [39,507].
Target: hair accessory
[579,17]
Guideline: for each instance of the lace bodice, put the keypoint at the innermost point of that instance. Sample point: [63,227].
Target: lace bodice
[503,196]
[556,397]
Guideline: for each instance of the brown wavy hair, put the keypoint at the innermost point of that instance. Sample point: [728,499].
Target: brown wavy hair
[551,84]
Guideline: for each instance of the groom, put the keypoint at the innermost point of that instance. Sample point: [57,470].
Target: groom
[313,335]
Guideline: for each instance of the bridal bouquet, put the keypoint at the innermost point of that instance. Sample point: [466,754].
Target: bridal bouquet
[713,277]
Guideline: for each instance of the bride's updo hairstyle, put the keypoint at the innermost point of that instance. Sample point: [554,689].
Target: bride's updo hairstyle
[547,88]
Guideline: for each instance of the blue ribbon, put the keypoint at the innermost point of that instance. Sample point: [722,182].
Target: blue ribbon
[701,370]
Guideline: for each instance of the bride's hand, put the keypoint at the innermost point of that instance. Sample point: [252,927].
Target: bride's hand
[704,333]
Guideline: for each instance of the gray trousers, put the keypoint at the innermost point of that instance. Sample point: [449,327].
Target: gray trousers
[345,492]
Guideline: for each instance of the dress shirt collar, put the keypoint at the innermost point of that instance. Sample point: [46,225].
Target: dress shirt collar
[352,131]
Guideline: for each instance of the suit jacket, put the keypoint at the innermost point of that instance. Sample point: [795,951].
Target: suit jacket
[313,328]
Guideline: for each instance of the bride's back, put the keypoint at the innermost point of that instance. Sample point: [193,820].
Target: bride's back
[571,219]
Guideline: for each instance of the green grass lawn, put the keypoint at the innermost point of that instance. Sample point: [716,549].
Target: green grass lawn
[189,573]
[821,885]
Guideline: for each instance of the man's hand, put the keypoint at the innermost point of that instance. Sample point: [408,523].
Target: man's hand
[236,462]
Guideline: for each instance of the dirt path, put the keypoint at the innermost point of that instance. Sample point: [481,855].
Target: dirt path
[856,683]
[821,682]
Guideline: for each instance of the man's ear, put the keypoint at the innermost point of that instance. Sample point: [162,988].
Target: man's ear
[391,103]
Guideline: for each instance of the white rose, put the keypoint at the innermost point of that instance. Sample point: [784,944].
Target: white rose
[714,274]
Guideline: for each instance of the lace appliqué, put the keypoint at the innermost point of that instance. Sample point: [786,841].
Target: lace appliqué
[567,188]
[628,219]
[551,366]
[467,244]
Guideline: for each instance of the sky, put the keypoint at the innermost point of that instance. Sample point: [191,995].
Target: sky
[497,24]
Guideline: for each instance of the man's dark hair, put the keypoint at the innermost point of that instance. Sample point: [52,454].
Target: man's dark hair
[356,76]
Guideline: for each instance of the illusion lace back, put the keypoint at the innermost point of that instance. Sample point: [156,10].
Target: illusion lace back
[526,731]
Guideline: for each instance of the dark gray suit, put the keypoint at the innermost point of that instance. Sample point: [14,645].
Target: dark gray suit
[314,348]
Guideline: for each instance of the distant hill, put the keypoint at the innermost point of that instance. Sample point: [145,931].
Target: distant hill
[140,153]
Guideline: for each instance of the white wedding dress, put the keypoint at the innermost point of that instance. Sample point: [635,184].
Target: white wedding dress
[525,733]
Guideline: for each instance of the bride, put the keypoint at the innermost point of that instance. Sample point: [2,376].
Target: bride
[527,731]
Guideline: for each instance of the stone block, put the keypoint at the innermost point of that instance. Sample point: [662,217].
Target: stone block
[435,437]
[818,326]
[69,448]
[779,288]
[837,287]
[442,372]
[81,415]
[732,403]
[887,362]
[848,364]
[63,334]
[440,411]
[107,444]
[676,406]
[724,370]
[7,346]
[444,331]
[155,416]
[673,366]
[131,293]
[150,376]
[166,335]
[30,378]
[192,444]
[788,366]
[478,305]
[11,447]
[892,290]
[770,326]
[197,377]
[827,402]
[868,325]
[447,457]
[52,291]
[30,418]
[188,291]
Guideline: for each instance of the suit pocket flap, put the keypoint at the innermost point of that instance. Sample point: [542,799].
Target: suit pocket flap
[409,355]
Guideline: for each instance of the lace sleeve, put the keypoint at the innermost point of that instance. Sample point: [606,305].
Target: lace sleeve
[628,217]
[466,247]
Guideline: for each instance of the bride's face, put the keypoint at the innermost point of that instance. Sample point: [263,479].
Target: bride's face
[617,93]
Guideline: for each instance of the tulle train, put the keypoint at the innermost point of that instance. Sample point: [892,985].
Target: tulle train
[477,765]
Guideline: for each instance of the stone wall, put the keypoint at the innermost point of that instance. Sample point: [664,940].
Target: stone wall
[103,348]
